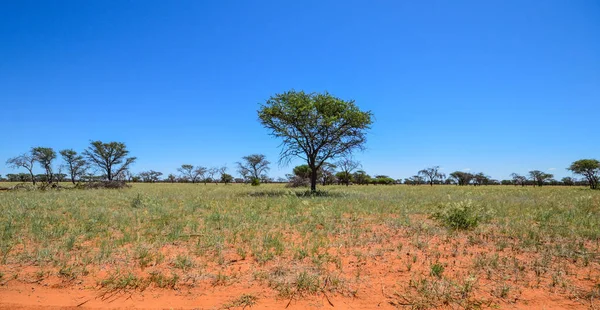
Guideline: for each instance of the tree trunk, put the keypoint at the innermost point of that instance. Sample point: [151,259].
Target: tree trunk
[32,176]
[313,179]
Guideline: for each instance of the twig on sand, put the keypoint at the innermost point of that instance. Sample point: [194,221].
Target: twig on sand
[84,302]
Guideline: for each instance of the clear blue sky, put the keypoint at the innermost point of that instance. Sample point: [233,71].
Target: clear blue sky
[492,86]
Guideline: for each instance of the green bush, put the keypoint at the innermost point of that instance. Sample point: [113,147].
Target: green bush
[255,182]
[461,215]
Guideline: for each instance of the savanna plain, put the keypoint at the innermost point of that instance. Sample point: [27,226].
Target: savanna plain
[196,246]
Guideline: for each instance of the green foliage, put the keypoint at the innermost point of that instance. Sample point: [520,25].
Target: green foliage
[108,156]
[436,270]
[302,171]
[76,165]
[540,177]
[183,262]
[589,168]
[361,177]
[314,127]
[255,182]
[137,202]
[253,166]
[44,156]
[226,178]
[60,231]
[461,215]
[462,178]
[307,283]
[382,180]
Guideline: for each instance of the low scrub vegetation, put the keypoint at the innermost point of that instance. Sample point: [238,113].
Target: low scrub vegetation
[462,214]
[405,245]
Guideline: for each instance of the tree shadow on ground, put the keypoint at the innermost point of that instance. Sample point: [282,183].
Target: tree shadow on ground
[292,193]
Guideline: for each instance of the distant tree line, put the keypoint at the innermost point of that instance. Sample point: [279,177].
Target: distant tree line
[109,159]
[112,161]
[318,128]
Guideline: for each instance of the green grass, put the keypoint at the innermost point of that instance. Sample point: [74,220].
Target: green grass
[206,224]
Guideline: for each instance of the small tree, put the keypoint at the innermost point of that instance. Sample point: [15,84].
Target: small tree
[44,156]
[361,177]
[302,171]
[518,179]
[383,180]
[76,165]
[414,180]
[172,178]
[150,176]
[253,166]
[214,174]
[110,157]
[327,174]
[314,127]
[59,176]
[539,177]
[432,174]
[480,179]
[568,181]
[347,166]
[221,171]
[192,173]
[226,178]
[461,177]
[343,178]
[589,168]
[23,161]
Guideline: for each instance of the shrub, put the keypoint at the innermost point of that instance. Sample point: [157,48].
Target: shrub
[461,215]
[255,182]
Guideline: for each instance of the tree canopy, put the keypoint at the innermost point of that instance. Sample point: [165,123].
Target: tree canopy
[432,174]
[111,158]
[589,168]
[461,177]
[44,156]
[314,127]
[76,165]
[253,166]
[539,177]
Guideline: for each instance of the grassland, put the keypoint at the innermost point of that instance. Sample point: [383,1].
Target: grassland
[238,246]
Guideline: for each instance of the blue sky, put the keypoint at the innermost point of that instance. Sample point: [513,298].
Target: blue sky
[492,86]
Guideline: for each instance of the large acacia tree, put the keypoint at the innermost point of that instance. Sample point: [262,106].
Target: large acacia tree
[110,157]
[314,127]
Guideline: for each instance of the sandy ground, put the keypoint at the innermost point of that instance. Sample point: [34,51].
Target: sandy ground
[381,279]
